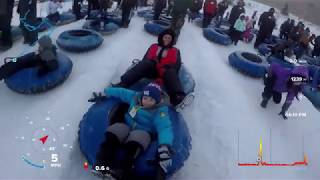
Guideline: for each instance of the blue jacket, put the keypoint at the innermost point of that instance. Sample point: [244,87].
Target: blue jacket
[153,120]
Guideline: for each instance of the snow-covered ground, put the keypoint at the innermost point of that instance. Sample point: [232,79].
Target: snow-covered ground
[225,120]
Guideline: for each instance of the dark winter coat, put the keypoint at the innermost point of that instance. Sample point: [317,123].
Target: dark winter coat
[29,6]
[181,7]
[317,41]
[295,34]
[160,4]
[222,7]
[128,4]
[235,13]
[267,23]
[196,5]
[282,79]
[210,7]
[284,28]
[6,7]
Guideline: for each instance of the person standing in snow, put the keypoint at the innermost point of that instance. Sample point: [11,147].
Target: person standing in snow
[314,77]
[28,19]
[53,14]
[6,8]
[126,7]
[209,11]
[222,7]
[238,29]
[92,5]
[267,23]
[249,27]
[158,7]
[284,28]
[45,59]
[303,43]
[316,48]
[194,9]
[76,8]
[147,117]
[161,62]
[179,11]
[279,80]
[254,19]
[170,6]
[235,13]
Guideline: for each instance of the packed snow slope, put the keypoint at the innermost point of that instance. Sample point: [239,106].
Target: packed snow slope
[226,121]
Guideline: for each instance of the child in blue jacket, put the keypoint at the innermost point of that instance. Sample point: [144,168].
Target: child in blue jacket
[146,116]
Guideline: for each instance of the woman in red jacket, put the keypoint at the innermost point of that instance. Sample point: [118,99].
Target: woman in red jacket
[162,63]
[209,12]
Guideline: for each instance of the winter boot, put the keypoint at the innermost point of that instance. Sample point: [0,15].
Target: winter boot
[132,151]
[264,103]
[106,155]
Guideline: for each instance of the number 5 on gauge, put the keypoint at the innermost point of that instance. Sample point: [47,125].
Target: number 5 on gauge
[54,158]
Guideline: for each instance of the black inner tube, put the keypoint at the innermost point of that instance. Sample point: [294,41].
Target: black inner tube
[79,33]
[251,57]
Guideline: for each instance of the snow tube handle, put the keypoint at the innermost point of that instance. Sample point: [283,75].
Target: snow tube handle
[135,61]
[14,59]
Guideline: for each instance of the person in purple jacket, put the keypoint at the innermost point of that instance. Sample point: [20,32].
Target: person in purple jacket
[279,80]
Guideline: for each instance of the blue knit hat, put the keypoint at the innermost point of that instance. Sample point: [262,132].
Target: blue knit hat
[152,90]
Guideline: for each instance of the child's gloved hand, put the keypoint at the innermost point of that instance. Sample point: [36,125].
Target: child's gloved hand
[97,97]
[164,157]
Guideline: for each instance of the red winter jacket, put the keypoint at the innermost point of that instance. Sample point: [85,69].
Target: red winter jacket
[170,58]
[210,7]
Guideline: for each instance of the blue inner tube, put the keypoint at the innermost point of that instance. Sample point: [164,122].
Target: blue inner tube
[217,36]
[66,18]
[79,40]
[26,81]
[141,13]
[313,96]
[97,119]
[156,27]
[148,16]
[265,49]
[109,28]
[248,63]
[282,62]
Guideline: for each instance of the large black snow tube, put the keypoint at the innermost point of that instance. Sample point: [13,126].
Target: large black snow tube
[313,96]
[109,28]
[282,62]
[215,35]
[26,81]
[248,63]
[79,40]
[95,122]
[156,27]
[265,49]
